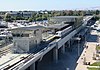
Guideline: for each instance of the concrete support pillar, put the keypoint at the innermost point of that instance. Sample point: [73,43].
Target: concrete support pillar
[78,47]
[69,43]
[63,49]
[32,67]
[66,44]
[55,54]
[72,41]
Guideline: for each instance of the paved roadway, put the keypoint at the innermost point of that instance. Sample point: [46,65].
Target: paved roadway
[88,53]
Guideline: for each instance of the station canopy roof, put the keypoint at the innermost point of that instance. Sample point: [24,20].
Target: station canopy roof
[57,26]
[29,28]
[64,19]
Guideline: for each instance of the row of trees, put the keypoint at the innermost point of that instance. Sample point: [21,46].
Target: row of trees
[44,15]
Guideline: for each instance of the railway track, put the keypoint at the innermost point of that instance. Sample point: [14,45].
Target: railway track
[5,50]
[19,63]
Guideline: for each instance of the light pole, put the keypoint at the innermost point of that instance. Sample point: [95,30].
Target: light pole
[78,45]
[97,37]
[78,49]
[85,39]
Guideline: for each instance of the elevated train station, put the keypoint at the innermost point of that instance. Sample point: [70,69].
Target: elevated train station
[23,38]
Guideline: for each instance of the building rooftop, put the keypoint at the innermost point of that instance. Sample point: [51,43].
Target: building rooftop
[29,28]
[67,17]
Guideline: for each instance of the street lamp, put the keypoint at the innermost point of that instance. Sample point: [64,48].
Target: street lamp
[78,44]
[85,39]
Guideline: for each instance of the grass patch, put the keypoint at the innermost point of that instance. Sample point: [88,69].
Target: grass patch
[95,64]
[97,47]
[93,68]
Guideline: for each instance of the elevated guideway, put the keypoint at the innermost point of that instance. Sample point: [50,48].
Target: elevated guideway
[36,57]
[55,44]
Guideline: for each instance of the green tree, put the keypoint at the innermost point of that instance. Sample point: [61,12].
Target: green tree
[62,13]
[67,13]
[97,12]
[38,19]
[30,19]
[19,18]
[7,17]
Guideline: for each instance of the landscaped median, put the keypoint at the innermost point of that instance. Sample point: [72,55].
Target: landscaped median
[94,66]
[98,49]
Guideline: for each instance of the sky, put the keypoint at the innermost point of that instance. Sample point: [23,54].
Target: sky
[36,5]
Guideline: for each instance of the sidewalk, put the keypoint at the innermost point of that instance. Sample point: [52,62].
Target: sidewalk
[88,53]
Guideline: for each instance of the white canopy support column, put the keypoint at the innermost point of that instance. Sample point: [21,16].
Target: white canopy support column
[32,67]
[69,44]
[63,49]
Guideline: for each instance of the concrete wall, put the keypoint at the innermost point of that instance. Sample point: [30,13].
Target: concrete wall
[38,36]
[27,42]
[22,43]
